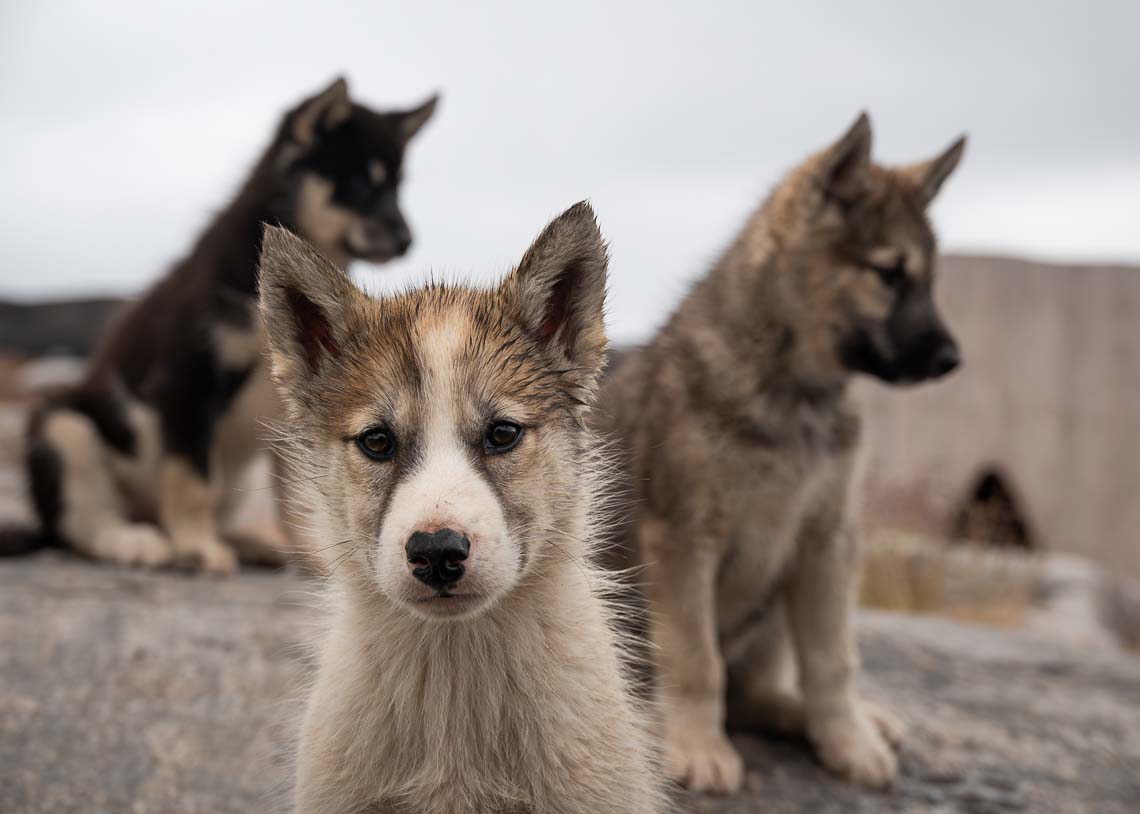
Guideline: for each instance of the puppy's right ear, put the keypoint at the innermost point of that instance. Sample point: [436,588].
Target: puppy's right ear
[320,113]
[308,307]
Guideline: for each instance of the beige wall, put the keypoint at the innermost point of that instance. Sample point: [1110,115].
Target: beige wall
[1050,392]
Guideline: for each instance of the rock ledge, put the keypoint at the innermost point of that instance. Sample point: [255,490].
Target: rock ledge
[130,692]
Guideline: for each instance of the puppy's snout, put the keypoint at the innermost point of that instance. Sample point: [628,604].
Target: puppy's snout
[437,557]
[945,358]
[402,238]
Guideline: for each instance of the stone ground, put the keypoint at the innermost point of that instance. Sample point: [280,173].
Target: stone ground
[122,691]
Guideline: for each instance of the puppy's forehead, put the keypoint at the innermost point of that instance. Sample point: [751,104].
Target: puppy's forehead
[476,354]
[419,336]
[892,225]
[459,346]
[441,334]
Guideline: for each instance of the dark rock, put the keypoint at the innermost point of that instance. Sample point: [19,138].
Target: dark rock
[123,691]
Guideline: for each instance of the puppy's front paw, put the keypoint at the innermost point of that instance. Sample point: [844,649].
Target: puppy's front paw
[889,724]
[852,745]
[206,554]
[703,761]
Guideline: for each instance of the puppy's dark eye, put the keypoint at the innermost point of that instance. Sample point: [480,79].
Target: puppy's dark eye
[377,443]
[893,276]
[501,437]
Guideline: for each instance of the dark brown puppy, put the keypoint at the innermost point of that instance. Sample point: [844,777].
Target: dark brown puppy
[133,465]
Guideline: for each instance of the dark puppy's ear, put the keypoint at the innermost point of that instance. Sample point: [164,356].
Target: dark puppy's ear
[559,289]
[307,305]
[412,120]
[928,176]
[320,113]
[842,168]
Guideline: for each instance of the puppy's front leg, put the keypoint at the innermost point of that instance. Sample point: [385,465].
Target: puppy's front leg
[851,737]
[188,505]
[680,585]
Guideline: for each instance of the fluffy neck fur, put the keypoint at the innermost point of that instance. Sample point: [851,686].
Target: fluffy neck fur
[523,707]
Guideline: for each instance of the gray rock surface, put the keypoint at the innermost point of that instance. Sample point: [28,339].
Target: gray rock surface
[145,693]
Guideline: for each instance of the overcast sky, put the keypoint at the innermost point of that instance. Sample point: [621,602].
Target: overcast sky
[124,125]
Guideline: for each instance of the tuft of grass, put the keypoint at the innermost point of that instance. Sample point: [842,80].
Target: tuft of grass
[891,578]
[910,574]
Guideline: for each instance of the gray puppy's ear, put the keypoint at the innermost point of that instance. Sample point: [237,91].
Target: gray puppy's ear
[928,176]
[842,167]
[411,121]
[320,113]
[559,289]
[308,307]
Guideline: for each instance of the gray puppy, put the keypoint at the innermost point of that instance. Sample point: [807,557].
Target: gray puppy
[739,443]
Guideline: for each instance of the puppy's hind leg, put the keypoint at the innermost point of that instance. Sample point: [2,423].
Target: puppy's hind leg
[762,693]
[246,520]
[67,456]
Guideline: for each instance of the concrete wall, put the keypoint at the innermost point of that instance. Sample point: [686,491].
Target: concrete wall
[1050,394]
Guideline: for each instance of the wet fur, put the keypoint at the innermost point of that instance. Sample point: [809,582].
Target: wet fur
[522,703]
[739,445]
[138,463]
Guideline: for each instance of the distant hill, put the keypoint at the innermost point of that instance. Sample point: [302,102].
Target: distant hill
[67,327]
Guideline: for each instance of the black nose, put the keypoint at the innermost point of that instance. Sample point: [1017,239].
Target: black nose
[438,557]
[402,239]
[945,359]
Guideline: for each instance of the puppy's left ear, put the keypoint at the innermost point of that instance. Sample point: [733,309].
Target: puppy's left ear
[928,176]
[559,289]
[412,120]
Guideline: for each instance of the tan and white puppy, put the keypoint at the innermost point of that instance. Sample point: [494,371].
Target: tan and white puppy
[471,663]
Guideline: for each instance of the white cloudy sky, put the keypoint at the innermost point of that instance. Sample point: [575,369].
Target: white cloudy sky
[124,125]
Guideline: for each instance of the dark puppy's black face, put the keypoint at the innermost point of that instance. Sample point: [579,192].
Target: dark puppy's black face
[344,172]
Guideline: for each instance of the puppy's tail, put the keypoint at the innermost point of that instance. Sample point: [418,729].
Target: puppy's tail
[16,541]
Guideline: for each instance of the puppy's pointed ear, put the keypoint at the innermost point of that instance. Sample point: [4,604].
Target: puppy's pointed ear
[842,168]
[412,120]
[928,176]
[320,113]
[559,290]
[307,306]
